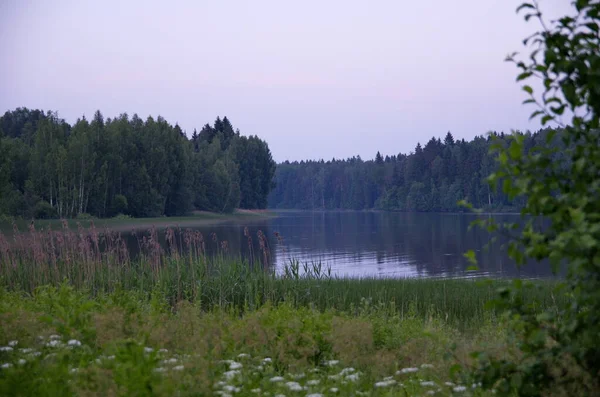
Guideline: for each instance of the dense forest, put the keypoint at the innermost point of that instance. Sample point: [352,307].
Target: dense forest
[125,165]
[432,178]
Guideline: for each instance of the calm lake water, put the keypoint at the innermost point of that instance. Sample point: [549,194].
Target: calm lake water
[376,244]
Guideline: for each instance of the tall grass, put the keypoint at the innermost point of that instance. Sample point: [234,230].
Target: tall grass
[100,262]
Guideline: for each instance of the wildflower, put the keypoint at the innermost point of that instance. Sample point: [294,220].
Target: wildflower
[475,385]
[426,366]
[222,393]
[54,343]
[148,350]
[255,390]
[26,350]
[353,377]
[427,384]
[334,390]
[314,395]
[267,360]
[331,363]
[110,357]
[459,389]
[13,343]
[347,371]
[74,343]
[163,351]
[297,376]
[74,370]
[243,355]
[36,354]
[313,382]
[279,395]
[235,365]
[277,379]
[159,369]
[6,365]
[22,361]
[385,383]
[294,386]
[231,374]
[231,388]
[407,371]
[170,361]
[313,370]
[334,377]
[6,349]
[54,337]
[178,368]
[449,384]
[431,392]
[260,367]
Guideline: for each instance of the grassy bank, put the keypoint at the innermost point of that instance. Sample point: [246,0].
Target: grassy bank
[58,341]
[125,223]
[79,316]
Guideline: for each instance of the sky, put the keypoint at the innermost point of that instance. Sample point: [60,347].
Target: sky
[315,79]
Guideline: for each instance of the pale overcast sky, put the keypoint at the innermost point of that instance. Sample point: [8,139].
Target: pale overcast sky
[315,79]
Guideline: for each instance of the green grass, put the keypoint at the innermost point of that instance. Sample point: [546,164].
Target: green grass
[127,223]
[134,344]
[317,331]
[231,283]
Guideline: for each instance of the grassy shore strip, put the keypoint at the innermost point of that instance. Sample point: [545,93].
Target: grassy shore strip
[100,264]
[235,285]
[79,316]
[60,341]
[123,223]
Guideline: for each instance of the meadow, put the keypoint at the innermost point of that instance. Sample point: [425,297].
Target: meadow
[80,316]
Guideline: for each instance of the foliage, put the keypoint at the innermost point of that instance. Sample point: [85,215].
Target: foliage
[105,167]
[559,349]
[433,178]
[100,262]
[58,341]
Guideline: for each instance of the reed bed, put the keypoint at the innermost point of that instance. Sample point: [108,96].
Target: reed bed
[100,262]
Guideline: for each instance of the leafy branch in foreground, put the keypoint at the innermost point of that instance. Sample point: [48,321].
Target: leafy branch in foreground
[558,351]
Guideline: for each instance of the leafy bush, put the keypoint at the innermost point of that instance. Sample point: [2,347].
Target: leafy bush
[43,210]
[558,349]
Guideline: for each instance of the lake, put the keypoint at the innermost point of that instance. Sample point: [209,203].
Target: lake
[373,244]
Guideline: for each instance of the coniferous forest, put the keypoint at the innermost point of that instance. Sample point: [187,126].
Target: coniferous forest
[433,178]
[126,165]
[147,168]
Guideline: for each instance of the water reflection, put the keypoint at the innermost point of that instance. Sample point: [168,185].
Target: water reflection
[360,244]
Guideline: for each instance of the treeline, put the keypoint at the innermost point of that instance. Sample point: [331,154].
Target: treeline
[432,178]
[125,165]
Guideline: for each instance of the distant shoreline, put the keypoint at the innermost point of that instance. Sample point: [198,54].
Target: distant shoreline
[119,224]
[284,210]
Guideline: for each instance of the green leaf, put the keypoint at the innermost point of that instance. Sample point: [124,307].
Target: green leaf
[515,150]
[470,255]
[546,119]
[535,114]
[525,6]
[524,75]
[528,89]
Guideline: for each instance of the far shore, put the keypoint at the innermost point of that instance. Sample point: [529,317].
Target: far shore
[119,224]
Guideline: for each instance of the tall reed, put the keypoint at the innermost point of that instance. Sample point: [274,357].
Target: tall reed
[101,262]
